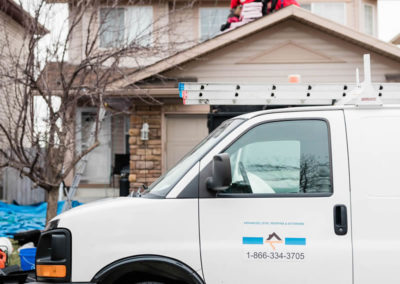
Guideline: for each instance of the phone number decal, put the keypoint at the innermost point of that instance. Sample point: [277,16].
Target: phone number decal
[275,255]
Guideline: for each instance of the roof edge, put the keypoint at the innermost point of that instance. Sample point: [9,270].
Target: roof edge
[291,12]
[352,35]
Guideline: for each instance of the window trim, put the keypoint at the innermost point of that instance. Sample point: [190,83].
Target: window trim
[283,195]
[125,36]
[373,18]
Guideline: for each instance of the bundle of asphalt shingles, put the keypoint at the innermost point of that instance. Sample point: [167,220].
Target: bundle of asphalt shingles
[250,12]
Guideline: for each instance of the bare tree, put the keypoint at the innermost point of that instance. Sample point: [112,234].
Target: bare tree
[37,75]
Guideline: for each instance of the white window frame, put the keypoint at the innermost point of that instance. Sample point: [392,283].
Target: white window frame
[199,22]
[125,23]
[373,19]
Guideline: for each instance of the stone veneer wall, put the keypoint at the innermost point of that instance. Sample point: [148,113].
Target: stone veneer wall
[145,156]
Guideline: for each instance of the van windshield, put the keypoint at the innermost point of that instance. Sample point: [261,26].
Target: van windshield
[162,186]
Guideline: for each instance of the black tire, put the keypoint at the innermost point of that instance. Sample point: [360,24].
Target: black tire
[137,278]
[147,270]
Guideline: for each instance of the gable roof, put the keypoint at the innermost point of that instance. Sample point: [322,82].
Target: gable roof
[396,39]
[22,17]
[292,12]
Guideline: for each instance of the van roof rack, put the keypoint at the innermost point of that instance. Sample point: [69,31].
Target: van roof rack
[365,94]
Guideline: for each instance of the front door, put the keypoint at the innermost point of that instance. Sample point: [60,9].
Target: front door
[283,219]
[98,167]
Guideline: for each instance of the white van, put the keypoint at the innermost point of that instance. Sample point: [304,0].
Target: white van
[301,195]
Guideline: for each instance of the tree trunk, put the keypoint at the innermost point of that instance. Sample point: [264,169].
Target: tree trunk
[52,199]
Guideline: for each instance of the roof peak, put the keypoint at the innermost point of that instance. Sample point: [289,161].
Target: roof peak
[291,12]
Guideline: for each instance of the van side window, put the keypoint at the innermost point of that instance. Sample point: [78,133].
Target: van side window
[285,157]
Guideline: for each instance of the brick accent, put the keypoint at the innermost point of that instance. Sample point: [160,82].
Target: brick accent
[145,156]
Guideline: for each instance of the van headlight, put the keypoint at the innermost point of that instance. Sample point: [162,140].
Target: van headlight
[53,256]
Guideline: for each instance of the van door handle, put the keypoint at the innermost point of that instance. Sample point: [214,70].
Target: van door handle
[340,219]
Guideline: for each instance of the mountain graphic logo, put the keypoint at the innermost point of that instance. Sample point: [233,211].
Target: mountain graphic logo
[273,239]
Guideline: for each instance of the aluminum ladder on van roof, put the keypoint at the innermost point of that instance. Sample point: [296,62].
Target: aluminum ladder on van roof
[294,94]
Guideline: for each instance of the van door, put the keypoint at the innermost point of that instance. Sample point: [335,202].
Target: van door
[373,139]
[285,218]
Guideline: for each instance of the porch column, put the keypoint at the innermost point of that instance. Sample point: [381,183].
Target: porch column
[145,156]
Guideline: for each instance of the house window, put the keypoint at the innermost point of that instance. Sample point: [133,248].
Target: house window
[211,20]
[111,27]
[126,25]
[334,11]
[139,25]
[368,19]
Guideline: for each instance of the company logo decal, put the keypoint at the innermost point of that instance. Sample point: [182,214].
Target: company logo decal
[253,240]
[295,241]
[273,239]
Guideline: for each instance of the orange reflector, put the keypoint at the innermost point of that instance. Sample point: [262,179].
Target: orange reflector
[294,78]
[58,271]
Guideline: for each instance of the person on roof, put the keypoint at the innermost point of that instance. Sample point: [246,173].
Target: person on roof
[274,5]
[268,7]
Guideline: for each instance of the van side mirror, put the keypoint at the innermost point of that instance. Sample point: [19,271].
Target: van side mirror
[221,177]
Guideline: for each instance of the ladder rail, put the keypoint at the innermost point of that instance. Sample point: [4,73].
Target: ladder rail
[280,94]
[365,94]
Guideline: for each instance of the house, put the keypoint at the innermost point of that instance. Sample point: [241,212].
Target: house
[322,42]
[15,27]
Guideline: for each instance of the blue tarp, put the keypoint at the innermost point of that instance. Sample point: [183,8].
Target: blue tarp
[19,218]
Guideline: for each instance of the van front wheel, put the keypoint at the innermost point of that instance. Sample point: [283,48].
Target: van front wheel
[135,278]
[147,270]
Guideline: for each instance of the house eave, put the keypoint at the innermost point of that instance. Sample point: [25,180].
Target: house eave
[22,17]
